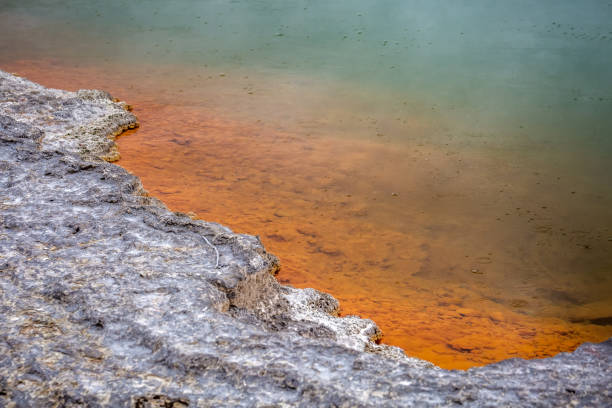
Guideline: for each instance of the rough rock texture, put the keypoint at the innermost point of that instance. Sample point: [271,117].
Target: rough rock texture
[109,299]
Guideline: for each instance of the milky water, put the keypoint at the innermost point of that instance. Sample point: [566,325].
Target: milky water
[541,64]
[476,135]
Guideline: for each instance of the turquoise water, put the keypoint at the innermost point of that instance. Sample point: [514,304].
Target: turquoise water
[542,65]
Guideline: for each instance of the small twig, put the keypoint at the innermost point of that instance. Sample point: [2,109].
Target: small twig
[215,248]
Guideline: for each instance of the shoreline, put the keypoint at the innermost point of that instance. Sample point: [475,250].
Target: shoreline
[236,291]
[252,173]
[441,309]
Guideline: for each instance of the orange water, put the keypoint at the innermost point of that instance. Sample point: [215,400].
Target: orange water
[463,252]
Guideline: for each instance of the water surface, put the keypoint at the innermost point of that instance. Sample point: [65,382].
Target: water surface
[440,167]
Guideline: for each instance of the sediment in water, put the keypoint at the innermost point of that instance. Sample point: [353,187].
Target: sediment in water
[110,299]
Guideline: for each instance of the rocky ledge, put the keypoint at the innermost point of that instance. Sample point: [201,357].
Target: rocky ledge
[110,299]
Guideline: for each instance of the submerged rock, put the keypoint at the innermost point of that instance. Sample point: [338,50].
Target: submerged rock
[107,298]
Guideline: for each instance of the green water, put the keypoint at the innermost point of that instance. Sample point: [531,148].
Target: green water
[500,66]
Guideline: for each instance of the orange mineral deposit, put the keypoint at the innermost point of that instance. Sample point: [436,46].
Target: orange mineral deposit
[459,251]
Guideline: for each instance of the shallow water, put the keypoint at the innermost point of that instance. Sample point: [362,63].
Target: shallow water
[440,167]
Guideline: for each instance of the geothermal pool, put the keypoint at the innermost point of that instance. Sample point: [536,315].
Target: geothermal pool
[440,167]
